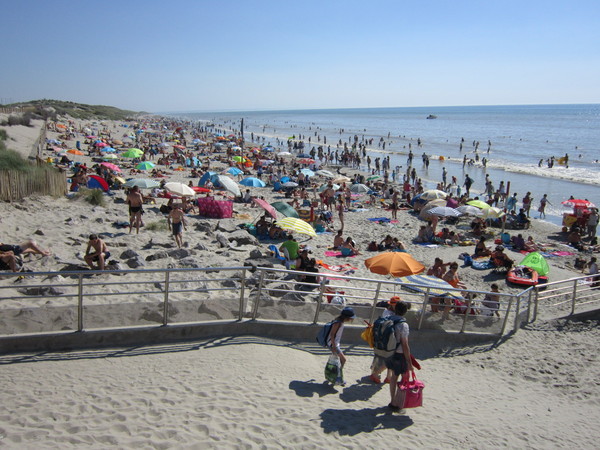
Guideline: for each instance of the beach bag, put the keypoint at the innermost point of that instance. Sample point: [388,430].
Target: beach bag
[333,370]
[324,333]
[367,335]
[383,333]
[412,390]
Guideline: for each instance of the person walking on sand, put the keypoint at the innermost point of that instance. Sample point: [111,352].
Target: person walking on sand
[135,200]
[99,255]
[176,221]
[337,329]
[340,208]
[400,363]
[542,208]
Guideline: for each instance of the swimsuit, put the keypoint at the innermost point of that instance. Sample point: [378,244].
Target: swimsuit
[177,228]
[135,209]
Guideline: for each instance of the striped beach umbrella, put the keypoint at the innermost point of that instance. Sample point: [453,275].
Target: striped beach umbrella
[296,225]
[421,283]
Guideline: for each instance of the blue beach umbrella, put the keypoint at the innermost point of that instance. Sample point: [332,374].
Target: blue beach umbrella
[253,182]
[234,171]
[307,172]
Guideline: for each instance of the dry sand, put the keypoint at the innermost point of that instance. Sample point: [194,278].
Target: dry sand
[537,389]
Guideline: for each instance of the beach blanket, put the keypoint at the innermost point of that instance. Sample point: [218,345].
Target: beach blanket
[337,254]
[382,220]
[336,267]
[482,264]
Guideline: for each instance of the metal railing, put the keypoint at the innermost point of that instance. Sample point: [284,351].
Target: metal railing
[129,298]
[567,296]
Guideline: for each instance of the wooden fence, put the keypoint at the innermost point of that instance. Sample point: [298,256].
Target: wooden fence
[15,185]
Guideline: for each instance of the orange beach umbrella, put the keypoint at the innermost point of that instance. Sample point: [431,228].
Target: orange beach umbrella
[397,264]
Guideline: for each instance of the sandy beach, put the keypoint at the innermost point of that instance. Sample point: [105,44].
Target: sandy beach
[535,389]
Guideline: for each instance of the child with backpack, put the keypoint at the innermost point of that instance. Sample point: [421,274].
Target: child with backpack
[330,336]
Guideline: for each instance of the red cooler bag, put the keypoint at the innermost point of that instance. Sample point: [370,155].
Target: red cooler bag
[413,392]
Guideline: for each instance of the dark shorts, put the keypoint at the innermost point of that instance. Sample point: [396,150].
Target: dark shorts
[106,256]
[397,363]
[177,228]
[135,209]
[16,249]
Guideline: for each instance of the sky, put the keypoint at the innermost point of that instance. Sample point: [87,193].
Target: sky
[195,55]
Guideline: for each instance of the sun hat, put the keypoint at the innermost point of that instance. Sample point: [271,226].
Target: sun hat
[348,312]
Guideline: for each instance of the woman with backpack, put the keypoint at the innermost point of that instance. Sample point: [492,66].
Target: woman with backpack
[400,363]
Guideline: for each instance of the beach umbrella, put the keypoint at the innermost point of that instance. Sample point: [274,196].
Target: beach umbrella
[119,180]
[578,203]
[397,264]
[110,157]
[284,154]
[239,158]
[325,173]
[234,171]
[421,283]
[132,153]
[117,142]
[101,144]
[253,182]
[111,166]
[306,161]
[359,188]
[145,165]
[180,147]
[342,179]
[96,182]
[181,189]
[296,225]
[142,183]
[229,185]
[373,177]
[492,213]
[478,204]
[75,152]
[469,210]
[307,172]
[444,211]
[433,194]
[290,184]
[108,150]
[537,262]
[286,209]
[264,205]
[335,187]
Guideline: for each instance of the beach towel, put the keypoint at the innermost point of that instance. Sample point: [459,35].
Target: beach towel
[337,267]
[482,264]
[337,254]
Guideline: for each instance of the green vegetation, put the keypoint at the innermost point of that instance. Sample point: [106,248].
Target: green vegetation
[161,225]
[50,109]
[92,196]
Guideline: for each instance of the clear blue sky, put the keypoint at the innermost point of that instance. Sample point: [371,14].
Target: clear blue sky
[183,55]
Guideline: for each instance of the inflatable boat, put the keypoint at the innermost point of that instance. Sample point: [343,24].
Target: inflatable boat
[522,275]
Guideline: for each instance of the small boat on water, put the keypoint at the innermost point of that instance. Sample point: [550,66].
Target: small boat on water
[431,116]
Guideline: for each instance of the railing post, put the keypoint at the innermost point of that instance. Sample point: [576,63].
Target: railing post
[574,297]
[242,294]
[424,308]
[80,303]
[535,303]
[319,300]
[166,300]
[506,316]
[375,302]
[529,306]
[517,311]
[258,292]
[467,312]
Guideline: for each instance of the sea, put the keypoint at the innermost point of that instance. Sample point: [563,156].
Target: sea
[516,141]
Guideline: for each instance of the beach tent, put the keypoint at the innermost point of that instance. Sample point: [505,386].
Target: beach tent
[208,176]
[96,182]
[536,261]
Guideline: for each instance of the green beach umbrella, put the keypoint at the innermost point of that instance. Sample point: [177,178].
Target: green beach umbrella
[145,165]
[537,262]
[132,153]
[373,177]
[478,204]
[285,209]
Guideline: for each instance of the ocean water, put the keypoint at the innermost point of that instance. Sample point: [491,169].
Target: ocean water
[520,136]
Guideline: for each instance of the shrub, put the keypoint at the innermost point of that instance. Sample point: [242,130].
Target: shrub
[92,196]
[25,120]
[161,225]
[11,160]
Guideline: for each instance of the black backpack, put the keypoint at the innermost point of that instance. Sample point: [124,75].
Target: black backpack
[383,333]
